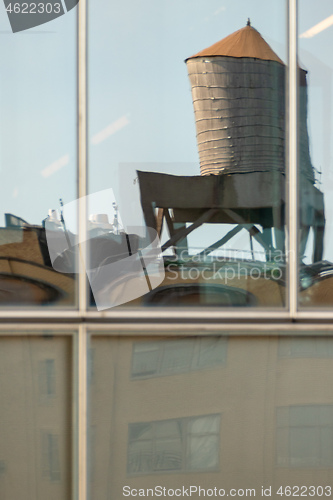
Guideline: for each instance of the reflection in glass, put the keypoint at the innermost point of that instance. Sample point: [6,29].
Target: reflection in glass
[263,416]
[167,357]
[206,170]
[183,444]
[204,441]
[38,155]
[307,436]
[315,147]
[51,466]
[47,378]
[35,415]
[306,347]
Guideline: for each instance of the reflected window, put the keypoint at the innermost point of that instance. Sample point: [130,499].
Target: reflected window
[91,365]
[305,347]
[184,444]
[315,148]
[38,151]
[36,414]
[47,378]
[167,357]
[50,456]
[207,159]
[305,436]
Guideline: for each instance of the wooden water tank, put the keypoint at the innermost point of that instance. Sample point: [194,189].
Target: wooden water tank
[239,99]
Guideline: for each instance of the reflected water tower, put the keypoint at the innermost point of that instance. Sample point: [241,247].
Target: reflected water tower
[238,90]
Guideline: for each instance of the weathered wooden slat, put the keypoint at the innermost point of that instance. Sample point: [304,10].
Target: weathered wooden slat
[223,191]
[239,106]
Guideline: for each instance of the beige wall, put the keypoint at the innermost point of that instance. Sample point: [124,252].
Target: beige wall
[27,412]
[246,391]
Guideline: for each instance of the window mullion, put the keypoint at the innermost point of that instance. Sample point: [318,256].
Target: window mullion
[82,153]
[80,484]
[292,249]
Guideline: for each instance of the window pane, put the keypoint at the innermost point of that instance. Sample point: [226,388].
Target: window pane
[168,455]
[304,415]
[205,425]
[304,437]
[145,359]
[306,347]
[36,417]
[38,154]
[326,415]
[140,457]
[326,442]
[168,428]
[258,418]
[141,431]
[315,155]
[47,386]
[304,446]
[212,351]
[203,452]
[167,357]
[177,355]
[195,151]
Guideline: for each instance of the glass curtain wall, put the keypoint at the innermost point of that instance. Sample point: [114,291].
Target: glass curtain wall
[315,110]
[37,153]
[225,413]
[187,136]
[36,392]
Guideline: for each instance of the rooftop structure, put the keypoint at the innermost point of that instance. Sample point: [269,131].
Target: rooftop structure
[238,91]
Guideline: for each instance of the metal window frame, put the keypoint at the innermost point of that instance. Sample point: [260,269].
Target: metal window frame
[292,177]
[209,315]
[291,312]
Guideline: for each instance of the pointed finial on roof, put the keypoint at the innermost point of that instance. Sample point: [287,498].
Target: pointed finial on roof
[248,22]
[244,42]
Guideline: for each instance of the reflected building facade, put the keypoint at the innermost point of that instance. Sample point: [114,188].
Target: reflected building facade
[215,411]
[225,412]
[36,419]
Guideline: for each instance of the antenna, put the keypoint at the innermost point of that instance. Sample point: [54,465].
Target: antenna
[64,224]
[115,218]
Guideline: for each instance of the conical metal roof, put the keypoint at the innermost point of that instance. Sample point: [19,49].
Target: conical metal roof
[246,42]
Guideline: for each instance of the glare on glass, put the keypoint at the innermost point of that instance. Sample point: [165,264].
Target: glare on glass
[197,151]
